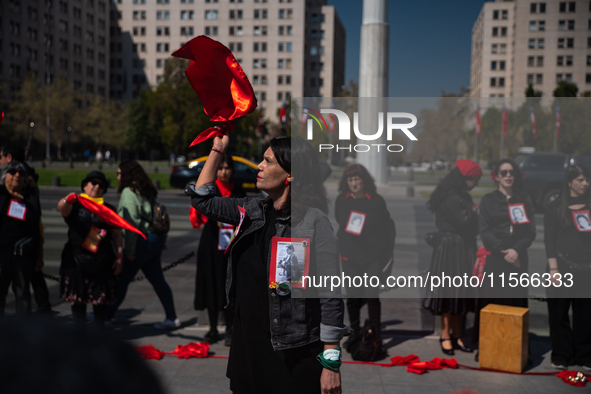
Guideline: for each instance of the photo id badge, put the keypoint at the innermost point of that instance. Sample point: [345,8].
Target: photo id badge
[17,210]
[582,221]
[517,213]
[93,239]
[225,233]
[242,216]
[355,223]
[290,261]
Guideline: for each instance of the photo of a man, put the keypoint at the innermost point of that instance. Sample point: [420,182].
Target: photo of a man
[582,221]
[518,214]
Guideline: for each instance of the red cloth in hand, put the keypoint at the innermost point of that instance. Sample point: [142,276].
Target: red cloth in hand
[480,263]
[437,363]
[193,349]
[106,214]
[149,352]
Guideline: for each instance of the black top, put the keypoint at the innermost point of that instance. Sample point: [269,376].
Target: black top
[11,229]
[559,237]
[458,215]
[496,229]
[376,240]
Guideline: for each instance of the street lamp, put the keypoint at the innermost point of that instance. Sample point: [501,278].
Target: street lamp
[30,140]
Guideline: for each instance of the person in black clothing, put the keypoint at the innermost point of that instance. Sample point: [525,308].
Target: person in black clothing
[504,237]
[93,255]
[568,249]
[279,342]
[8,153]
[210,280]
[454,250]
[20,236]
[366,240]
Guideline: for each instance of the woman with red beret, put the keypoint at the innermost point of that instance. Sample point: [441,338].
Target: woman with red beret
[454,249]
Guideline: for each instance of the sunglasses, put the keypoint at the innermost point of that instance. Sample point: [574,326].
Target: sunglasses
[13,172]
[505,172]
[97,182]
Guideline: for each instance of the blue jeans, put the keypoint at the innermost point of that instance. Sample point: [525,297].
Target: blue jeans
[148,259]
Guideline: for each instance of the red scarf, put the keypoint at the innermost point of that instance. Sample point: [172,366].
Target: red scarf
[197,218]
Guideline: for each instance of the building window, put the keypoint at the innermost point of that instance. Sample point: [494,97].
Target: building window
[160,15]
[539,79]
[492,99]
[495,31]
[496,14]
[280,62]
[288,79]
[568,77]
[503,32]
[162,31]
[589,60]
[532,26]
[502,65]
[313,82]
[504,14]
[186,15]
[587,78]
[541,43]
[570,42]
[493,48]
[280,80]
[533,8]
[569,60]
[263,79]
[162,47]
[558,78]
[211,14]
[159,63]
[313,50]
[279,96]
[530,79]
[187,31]
[540,62]
[530,61]
[493,65]
[493,82]
[501,82]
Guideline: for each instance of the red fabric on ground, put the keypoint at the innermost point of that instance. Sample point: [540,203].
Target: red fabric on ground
[149,352]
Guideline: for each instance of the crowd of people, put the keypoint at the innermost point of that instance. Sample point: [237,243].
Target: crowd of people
[242,260]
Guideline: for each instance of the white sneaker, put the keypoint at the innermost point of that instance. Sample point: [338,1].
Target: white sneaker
[168,324]
[557,366]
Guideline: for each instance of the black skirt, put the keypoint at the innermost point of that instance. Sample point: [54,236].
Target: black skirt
[452,257]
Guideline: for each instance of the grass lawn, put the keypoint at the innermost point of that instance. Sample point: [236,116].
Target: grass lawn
[73,177]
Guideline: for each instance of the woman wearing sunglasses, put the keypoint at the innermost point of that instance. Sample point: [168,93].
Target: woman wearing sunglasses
[507,229]
[20,236]
[93,255]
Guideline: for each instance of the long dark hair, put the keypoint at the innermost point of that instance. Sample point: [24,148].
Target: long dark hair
[453,181]
[357,170]
[134,177]
[573,172]
[298,158]
[517,187]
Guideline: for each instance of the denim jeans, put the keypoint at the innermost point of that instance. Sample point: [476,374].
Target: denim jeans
[148,259]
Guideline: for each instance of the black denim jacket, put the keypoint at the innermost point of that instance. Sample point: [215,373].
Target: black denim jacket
[294,321]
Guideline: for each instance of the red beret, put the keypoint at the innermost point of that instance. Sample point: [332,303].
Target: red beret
[468,168]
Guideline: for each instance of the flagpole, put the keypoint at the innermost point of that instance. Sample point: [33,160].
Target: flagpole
[476,148]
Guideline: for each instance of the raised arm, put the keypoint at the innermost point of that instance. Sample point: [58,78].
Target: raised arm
[210,168]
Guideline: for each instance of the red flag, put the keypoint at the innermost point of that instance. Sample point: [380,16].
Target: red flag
[218,80]
[504,121]
[557,121]
[533,122]
[106,214]
[478,120]
[282,112]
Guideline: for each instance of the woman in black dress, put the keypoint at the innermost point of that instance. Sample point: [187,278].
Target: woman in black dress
[507,229]
[567,236]
[366,240]
[210,281]
[279,342]
[20,236]
[454,250]
[93,255]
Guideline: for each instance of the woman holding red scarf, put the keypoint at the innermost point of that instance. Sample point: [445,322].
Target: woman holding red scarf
[89,260]
[210,281]
[454,250]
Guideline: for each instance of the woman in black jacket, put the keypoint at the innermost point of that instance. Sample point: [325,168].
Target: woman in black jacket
[454,250]
[366,241]
[210,281]
[20,236]
[567,237]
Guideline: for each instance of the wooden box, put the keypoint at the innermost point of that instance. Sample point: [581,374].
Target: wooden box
[504,341]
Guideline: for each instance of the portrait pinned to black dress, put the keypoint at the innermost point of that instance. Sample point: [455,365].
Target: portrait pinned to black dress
[290,259]
[355,223]
[582,221]
[517,213]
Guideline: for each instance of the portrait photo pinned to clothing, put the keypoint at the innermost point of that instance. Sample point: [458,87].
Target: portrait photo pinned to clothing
[290,259]
[237,230]
[355,223]
[517,213]
[226,231]
[17,210]
[582,220]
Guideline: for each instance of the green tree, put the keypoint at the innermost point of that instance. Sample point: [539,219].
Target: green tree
[530,92]
[566,89]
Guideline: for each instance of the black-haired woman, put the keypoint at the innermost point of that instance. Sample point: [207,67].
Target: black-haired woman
[20,236]
[93,255]
[210,281]
[135,205]
[366,240]
[567,237]
[507,229]
[277,338]
[454,250]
